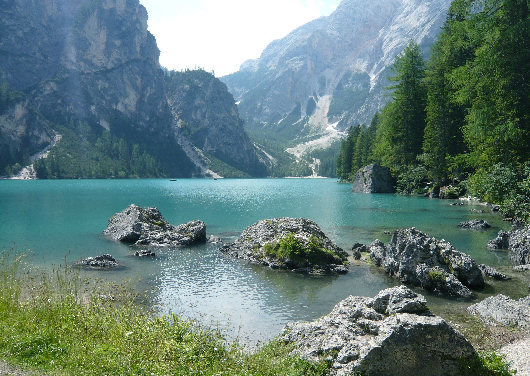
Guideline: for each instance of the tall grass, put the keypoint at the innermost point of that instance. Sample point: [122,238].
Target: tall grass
[54,323]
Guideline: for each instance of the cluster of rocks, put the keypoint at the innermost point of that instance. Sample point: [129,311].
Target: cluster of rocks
[501,310]
[393,333]
[105,261]
[475,224]
[256,240]
[414,257]
[146,227]
[139,226]
[517,241]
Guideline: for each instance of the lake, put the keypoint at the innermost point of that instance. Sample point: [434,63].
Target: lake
[62,221]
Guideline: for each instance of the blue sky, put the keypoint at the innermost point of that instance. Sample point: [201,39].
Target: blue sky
[219,35]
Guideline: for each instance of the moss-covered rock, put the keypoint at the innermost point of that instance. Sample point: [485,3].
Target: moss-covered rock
[295,244]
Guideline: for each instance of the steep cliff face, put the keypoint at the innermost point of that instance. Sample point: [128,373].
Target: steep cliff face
[337,64]
[206,114]
[81,68]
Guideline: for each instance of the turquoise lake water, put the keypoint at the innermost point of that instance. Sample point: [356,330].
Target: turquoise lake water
[62,221]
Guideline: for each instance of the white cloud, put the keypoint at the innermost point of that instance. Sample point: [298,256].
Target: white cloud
[220,35]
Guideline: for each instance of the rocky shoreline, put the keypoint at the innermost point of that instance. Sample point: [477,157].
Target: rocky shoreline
[361,334]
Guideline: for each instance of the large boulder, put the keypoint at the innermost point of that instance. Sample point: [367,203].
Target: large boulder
[139,226]
[373,179]
[414,257]
[295,244]
[517,241]
[391,334]
[502,310]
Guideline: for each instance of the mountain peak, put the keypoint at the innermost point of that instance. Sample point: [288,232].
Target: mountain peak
[353,46]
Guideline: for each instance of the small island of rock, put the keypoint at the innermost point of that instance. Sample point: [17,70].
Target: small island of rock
[139,226]
[295,244]
[416,258]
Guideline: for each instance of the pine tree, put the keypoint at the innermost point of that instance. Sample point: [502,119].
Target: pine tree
[443,137]
[400,135]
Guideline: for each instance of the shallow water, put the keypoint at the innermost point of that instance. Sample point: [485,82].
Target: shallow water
[62,221]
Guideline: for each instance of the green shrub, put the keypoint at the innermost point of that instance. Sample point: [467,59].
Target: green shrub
[487,364]
[435,275]
[493,185]
[413,180]
[508,186]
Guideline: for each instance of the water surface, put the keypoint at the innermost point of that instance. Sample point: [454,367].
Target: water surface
[62,221]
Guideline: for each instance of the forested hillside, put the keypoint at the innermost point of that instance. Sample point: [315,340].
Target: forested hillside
[463,117]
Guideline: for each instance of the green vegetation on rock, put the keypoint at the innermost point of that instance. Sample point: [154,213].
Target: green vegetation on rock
[293,249]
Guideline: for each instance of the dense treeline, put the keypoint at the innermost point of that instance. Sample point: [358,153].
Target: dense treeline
[463,117]
[83,154]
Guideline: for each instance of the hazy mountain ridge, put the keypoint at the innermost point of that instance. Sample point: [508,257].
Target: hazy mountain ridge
[345,55]
[91,62]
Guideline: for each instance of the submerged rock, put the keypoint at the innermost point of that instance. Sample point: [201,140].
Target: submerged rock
[517,241]
[391,334]
[488,271]
[415,258]
[475,224]
[105,261]
[295,244]
[373,179]
[214,240]
[502,310]
[145,253]
[139,226]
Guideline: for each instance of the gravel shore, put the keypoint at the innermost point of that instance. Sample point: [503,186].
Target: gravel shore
[518,353]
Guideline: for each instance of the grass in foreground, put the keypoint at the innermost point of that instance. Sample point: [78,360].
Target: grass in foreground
[50,325]
[56,325]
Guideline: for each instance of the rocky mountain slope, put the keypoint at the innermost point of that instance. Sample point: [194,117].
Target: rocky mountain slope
[330,73]
[88,70]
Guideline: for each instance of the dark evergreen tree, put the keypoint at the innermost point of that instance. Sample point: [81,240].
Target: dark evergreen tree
[443,137]
[400,135]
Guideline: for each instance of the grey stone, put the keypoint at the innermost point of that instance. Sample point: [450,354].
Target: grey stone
[145,253]
[475,224]
[517,241]
[488,271]
[214,239]
[253,243]
[357,249]
[415,258]
[373,179]
[501,310]
[522,268]
[139,226]
[393,333]
[105,261]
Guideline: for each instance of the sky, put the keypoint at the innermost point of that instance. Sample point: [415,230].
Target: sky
[219,35]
